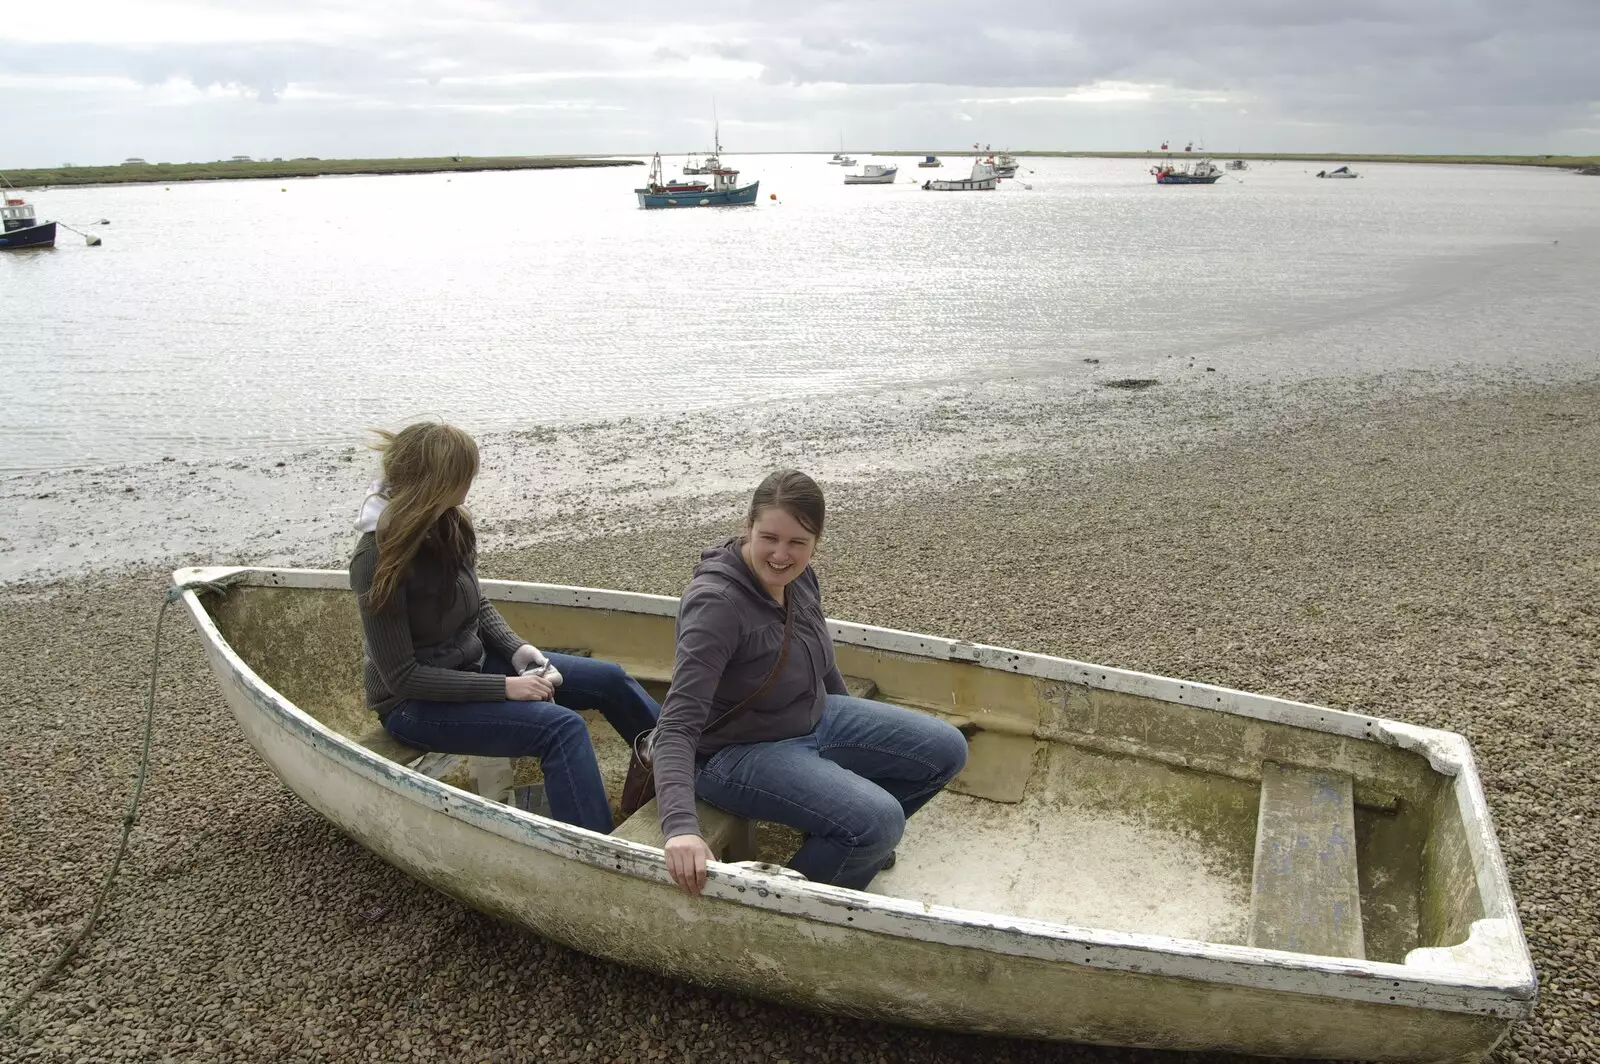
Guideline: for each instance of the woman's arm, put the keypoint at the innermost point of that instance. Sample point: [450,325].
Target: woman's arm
[389,646]
[708,634]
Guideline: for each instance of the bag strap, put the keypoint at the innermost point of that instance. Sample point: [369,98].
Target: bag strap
[645,738]
[772,677]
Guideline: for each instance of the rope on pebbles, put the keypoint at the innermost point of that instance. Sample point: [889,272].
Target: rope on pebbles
[129,818]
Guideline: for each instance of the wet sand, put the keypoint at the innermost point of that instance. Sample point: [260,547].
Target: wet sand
[1423,548]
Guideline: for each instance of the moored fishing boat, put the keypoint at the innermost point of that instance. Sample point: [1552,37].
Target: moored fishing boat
[1343,172]
[694,166]
[930,161]
[874,174]
[724,190]
[982,179]
[1126,859]
[20,226]
[1198,172]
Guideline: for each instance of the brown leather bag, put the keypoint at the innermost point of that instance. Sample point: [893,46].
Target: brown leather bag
[640,785]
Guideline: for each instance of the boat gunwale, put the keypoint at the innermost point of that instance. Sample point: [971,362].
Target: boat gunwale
[1502,986]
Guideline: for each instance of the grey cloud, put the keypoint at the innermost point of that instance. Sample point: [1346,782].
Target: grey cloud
[1442,69]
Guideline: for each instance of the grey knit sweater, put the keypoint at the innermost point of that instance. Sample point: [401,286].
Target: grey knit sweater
[429,641]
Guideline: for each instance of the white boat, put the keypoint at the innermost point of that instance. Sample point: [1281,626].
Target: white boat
[930,162]
[982,179]
[1005,165]
[694,166]
[1126,859]
[1343,171]
[874,174]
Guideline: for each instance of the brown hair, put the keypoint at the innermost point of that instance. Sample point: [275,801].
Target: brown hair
[793,492]
[425,467]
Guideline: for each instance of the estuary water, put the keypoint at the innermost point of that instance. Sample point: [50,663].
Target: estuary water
[249,317]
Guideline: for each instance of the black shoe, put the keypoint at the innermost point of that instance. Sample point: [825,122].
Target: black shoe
[888,862]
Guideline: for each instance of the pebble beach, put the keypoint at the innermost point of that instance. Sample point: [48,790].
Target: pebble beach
[1416,546]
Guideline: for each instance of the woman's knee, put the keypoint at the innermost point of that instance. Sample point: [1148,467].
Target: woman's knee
[568,726]
[876,820]
[948,748]
[611,674]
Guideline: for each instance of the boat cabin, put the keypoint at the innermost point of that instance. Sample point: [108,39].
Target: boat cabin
[17,214]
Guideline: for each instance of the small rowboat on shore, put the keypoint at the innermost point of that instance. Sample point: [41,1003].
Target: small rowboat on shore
[1126,859]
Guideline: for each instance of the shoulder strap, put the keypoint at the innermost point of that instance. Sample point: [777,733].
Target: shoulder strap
[772,677]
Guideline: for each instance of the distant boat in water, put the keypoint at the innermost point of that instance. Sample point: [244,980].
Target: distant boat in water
[982,179]
[692,165]
[930,161]
[874,174]
[1198,172]
[1343,171]
[724,190]
[1238,164]
[22,228]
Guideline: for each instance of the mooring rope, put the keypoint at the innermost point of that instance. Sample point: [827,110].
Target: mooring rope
[129,818]
[88,238]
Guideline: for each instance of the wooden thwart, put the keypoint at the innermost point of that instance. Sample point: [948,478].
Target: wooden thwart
[487,776]
[1306,897]
[731,838]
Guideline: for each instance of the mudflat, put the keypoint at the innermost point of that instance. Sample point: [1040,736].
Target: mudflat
[1427,555]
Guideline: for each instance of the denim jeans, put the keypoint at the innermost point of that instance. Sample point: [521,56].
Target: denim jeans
[551,731]
[849,786]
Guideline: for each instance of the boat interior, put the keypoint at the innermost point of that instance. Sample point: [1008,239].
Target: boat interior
[1080,804]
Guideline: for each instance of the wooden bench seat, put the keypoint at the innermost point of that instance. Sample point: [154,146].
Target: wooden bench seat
[490,777]
[731,838]
[1305,896]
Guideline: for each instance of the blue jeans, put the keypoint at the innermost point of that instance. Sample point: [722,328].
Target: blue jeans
[849,786]
[551,731]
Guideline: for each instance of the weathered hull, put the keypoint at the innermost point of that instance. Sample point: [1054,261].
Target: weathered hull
[867,955]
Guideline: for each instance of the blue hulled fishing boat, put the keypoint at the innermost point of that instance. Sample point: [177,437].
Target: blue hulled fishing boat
[724,190]
[21,226]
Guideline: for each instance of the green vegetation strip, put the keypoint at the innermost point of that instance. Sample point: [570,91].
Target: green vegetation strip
[284,168]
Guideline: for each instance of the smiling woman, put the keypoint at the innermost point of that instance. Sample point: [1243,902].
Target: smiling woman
[759,722]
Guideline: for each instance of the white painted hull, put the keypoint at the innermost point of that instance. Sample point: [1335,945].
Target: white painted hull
[861,954]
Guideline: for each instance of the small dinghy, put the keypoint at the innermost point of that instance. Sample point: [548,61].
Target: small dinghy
[1126,859]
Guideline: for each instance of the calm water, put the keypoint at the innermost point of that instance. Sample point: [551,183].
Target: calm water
[254,316]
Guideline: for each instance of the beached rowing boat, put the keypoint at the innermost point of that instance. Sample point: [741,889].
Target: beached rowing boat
[1126,859]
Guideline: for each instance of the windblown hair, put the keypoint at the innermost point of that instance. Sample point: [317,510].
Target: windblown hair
[426,466]
[793,492]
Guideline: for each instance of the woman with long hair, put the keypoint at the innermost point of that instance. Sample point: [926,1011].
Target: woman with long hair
[443,670]
[758,721]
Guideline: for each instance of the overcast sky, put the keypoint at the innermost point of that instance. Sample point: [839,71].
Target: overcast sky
[95,81]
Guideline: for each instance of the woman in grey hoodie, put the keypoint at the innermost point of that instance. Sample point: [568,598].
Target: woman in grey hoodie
[757,721]
[442,669]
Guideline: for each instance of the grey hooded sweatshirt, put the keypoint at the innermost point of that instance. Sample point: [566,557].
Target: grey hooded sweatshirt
[730,632]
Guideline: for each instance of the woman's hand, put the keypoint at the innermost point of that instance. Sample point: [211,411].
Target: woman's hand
[686,862]
[529,689]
